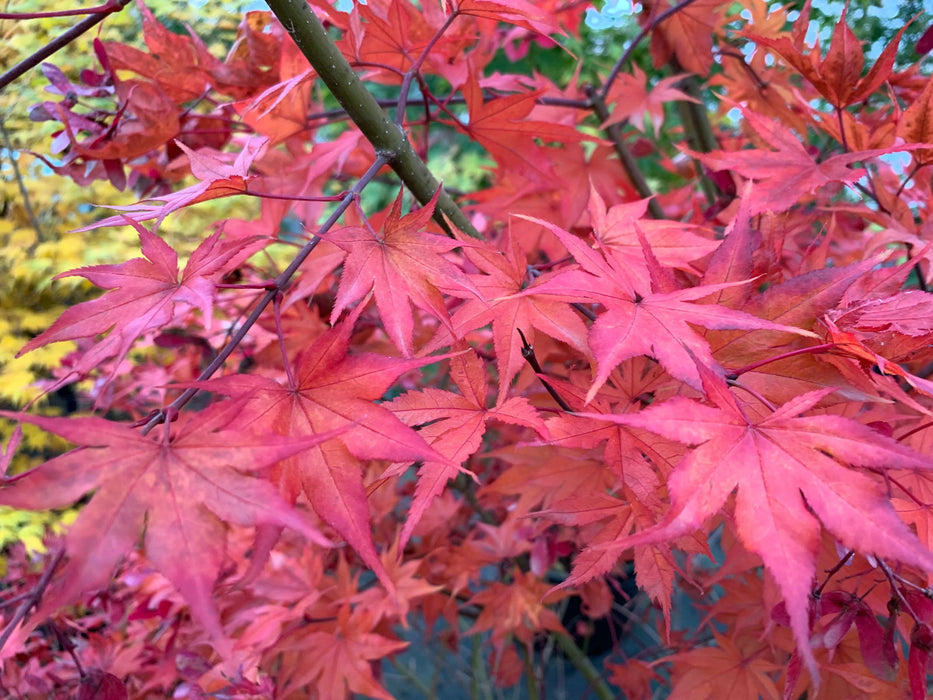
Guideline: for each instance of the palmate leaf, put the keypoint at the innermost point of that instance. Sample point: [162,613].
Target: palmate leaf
[789,172]
[334,391]
[785,469]
[182,482]
[638,320]
[403,265]
[144,294]
[457,424]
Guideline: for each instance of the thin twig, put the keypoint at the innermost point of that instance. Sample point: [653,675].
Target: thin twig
[58,43]
[33,599]
[416,66]
[104,9]
[23,191]
[895,589]
[584,666]
[528,352]
[832,572]
[68,646]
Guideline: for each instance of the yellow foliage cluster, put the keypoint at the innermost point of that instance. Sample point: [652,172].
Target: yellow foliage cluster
[39,211]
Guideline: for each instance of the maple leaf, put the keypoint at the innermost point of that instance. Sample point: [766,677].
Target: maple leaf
[852,344]
[499,304]
[393,35]
[539,475]
[687,34]
[785,471]
[333,663]
[402,266]
[915,124]
[616,518]
[838,77]
[331,390]
[635,102]
[458,427]
[147,120]
[281,110]
[521,13]
[98,685]
[673,243]
[180,484]
[638,321]
[145,294]
[180,65]
[502,127]
[218,178]
[789,172]
[517,609]
[723,671]
[898,326]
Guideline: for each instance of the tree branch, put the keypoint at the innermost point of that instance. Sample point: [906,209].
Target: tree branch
[386,137]
[58,43]
[584,666]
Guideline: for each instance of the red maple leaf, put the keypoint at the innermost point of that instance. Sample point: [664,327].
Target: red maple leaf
[687,34]
[219,178]
[838,77]
[638,321]
[502,126]
[516,609]
[339,660]
[784,469]
[635,102]
[521,13]
[458,427]
[331,390]
[180,65]
[674,243]
[180,485]
[722,670]
[146,294]
[789,171]
[403,265]
[499,304]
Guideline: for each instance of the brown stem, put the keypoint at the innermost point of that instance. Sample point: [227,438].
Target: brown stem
[33,599]
[528,352]
[832,572]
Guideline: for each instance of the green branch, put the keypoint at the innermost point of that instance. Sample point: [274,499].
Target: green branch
[584,666]
[385,136]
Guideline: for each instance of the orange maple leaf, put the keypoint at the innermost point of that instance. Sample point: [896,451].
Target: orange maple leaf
[404,265]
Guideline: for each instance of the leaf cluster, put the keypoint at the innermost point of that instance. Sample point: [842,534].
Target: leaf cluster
[677,326]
